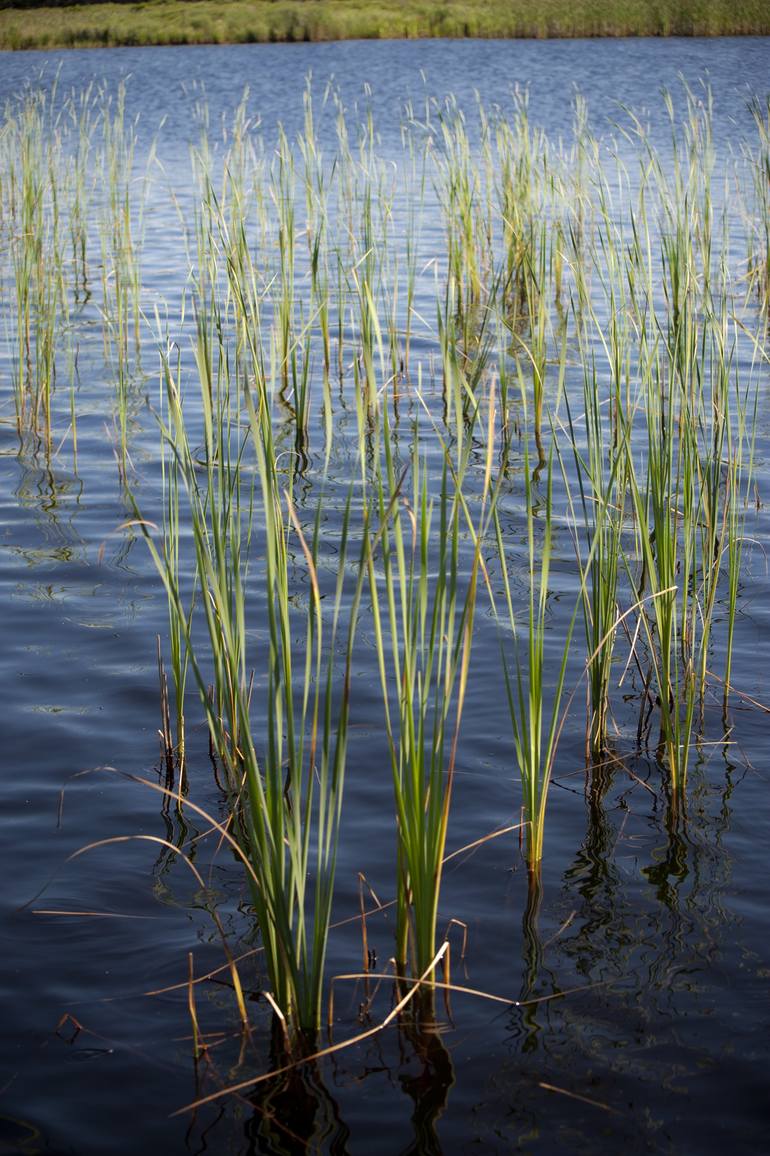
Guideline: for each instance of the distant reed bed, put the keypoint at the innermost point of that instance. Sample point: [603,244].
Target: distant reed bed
[29,24]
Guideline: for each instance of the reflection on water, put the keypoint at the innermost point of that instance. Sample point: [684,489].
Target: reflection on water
[429,1086]
[296,1114]
[599,928]
[637,848]
[46,486]
[525,1020]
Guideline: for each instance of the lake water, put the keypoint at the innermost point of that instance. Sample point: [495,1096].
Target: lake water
[658,923]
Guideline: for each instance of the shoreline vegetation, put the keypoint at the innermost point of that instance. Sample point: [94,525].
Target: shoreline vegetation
[25,24]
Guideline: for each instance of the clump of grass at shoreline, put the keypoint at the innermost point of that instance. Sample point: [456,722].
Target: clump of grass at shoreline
[157,22]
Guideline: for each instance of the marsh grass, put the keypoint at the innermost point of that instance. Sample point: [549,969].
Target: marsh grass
[356,417]
[535,689]
[285,801]
[173,737]
[601,475]
[759,233]
[32,172]
[423,606]
[69,184]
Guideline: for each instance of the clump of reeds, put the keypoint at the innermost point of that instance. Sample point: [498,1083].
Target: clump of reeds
[285,782]
[535,688]
[759,233]
[52,202]
[423,606]
[32,164]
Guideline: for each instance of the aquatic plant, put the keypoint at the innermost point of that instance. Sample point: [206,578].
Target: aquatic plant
[423,606]
[534,696]
[759,231]
[286,802]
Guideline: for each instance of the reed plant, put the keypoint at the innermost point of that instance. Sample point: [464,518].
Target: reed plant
[738,470]
[536,721]
[423,597]
[46,144]
[462,193]
[521,165]
[32,145]
[120,232]
[286,800]
[597,442]
[759,230]
[601,476]
[315,180]
[655,500]
[683,506]
[173,735]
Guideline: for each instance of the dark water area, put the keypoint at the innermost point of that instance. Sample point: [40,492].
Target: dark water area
[648,956]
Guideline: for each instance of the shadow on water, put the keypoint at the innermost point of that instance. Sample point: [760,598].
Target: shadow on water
[429,1086]
[538,982]
[532,959]
[594,876]
[296,1114]
[180,833]
[647,885]
[647,928]
[291,1114]
[55,495]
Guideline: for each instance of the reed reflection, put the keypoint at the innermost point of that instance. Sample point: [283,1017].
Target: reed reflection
[296,1114]
[650,881]
[429,1086]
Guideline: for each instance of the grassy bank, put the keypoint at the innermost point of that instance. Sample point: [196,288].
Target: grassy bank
[260,21]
